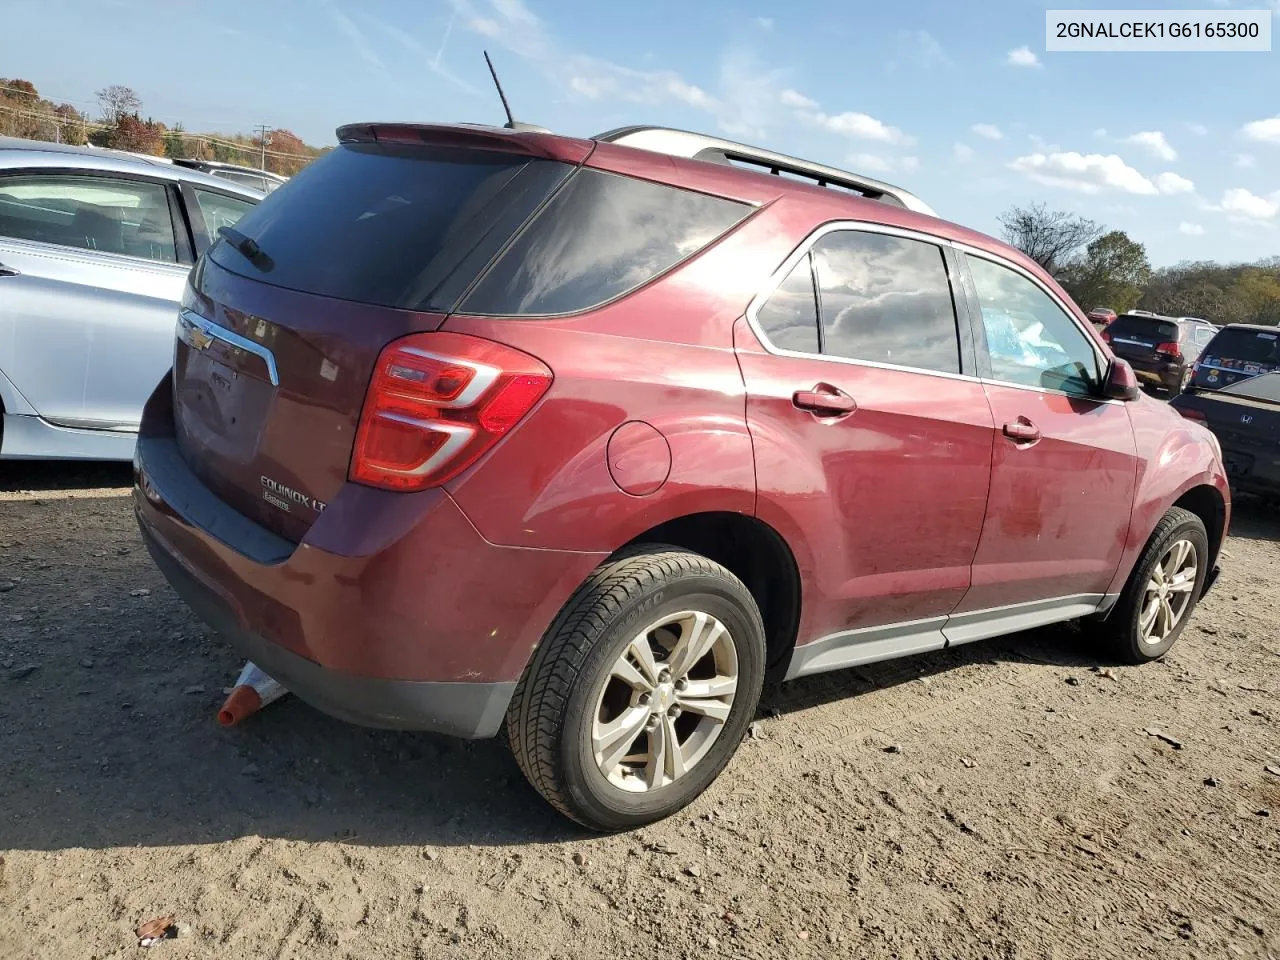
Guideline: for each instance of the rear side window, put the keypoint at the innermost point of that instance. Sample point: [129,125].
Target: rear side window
[886,299]
[392,225]
[603,235]
[219,210]
[789,318]
[1144,328]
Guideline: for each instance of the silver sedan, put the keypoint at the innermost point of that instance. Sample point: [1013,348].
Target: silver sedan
[95,247]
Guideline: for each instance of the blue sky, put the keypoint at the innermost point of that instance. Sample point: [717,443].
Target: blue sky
[958,101]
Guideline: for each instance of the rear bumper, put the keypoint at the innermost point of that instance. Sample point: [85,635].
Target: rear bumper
[468,710]
[392,611]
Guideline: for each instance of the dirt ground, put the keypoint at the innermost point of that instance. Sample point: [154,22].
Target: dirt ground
[1005,799]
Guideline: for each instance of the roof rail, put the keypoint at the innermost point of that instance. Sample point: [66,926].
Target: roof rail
[697,146]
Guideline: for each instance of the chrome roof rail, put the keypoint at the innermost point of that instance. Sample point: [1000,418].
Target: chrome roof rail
[697,146]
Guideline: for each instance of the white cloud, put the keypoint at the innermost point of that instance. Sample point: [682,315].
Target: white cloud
[1171,183]
[878,163]
[988,130]
[962,152]
[1155,142]
[870,162]
[923,49]
[790,98]
[764,23]
[1100,132]
[1264,131]
[860,126]
[358,40]
[1191,229]
[1199,129]
[1245,161]
[1023,57]
[1087,173]
[1242,204]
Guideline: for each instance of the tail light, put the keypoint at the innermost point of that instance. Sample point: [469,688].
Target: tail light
[1191,414]
[436,403]
[1106,336]
[1170,350]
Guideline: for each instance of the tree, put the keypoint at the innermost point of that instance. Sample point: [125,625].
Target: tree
[117,101]
[1113,272]
[133,134]
[1049,237]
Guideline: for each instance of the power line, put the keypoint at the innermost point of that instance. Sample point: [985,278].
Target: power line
[87,125]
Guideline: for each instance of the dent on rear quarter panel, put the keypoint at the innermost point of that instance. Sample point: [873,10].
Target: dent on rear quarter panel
[1174,456]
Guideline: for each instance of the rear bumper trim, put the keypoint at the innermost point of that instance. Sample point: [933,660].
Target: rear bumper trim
[467,710]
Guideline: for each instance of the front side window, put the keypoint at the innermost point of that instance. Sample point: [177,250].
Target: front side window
[886,299]
[789,318]
[126,217]
[219,210]
[1030,339]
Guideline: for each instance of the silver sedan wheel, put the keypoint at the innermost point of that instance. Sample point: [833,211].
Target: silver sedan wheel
[1168,593]
[665,701]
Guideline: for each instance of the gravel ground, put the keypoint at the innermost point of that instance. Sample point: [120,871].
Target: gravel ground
[1017,798]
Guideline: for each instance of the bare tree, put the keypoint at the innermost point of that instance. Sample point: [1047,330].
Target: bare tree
[1049,237]
[118,101]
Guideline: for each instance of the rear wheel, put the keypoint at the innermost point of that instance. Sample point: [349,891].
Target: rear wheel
[641,690]
[1162,591]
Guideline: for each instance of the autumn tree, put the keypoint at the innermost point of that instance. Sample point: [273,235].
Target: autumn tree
[117,101]
[1049,237]
[1113,272]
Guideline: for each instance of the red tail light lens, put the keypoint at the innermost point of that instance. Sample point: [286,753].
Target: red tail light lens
[1170,349]
[436,403]
[1190,414]
[1106,336]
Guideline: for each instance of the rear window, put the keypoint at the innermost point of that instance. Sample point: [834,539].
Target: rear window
[1143,328]
[602,236]
[390,225]
[1251,346]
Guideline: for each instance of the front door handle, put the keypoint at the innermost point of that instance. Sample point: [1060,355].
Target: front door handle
[8,271]
[1022,430]
[824,400]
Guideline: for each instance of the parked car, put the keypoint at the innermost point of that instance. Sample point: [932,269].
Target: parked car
[95,248]
[1101,316]
[261,180]
[1237,352]
[1161,350]
[1245,417]
[480,431]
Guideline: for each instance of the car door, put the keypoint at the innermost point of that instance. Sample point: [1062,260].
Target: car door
[1064,466]
[93,270]
[873,441]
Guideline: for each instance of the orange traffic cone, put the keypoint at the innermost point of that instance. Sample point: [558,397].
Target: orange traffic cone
[253,691]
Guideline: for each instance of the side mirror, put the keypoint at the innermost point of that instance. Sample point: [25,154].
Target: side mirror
[1121,384]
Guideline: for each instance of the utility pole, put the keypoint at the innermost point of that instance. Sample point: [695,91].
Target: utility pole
[262,129]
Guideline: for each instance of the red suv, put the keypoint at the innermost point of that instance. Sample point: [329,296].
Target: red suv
[475,430]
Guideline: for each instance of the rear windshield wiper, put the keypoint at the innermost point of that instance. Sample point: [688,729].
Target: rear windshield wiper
[247,247]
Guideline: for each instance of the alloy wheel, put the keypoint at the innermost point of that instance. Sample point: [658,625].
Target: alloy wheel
[665,701]
[1168,593]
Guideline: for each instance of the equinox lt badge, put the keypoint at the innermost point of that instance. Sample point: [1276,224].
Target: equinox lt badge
[278,495]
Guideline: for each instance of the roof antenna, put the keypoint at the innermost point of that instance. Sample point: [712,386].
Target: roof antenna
[512,123]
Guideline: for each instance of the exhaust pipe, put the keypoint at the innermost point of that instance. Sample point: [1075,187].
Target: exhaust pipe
[253,691]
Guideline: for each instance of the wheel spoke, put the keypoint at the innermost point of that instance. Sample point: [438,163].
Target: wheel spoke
[641,653]
[1184,582]
[698,635]
[716,710]
[656,763]
[1147,623]
[1183,548]
[1169,618]
[614,740]
[633,676]
[673,762]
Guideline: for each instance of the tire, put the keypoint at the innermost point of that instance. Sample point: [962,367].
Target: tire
[556,720]
[1124,629]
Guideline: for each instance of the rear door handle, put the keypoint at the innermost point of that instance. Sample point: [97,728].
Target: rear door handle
[1022,430]
[824,400]
[8,271]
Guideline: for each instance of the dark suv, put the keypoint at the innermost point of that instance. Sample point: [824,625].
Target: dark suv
[1161,350]
[1237,352]
[475,430]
